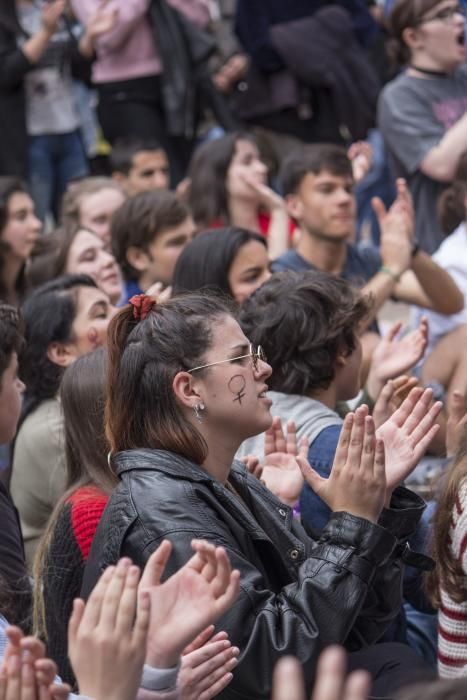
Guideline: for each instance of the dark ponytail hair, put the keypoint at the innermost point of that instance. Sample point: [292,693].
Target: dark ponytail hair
[144,357]
[405,14]
[48,316]
[207,259]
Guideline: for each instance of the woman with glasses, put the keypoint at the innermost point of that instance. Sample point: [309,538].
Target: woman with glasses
[423,112]
[185,388]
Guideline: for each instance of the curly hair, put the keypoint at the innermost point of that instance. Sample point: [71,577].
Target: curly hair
[303,320]
[11,333]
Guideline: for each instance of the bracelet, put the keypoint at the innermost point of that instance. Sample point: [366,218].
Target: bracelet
[387,270]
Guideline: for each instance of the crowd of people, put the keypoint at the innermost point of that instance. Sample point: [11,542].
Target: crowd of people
[233,387]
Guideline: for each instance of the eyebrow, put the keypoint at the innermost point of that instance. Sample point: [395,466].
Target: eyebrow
[239,348]
[101,303]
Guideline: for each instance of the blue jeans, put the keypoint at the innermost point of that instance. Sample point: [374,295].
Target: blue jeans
[54,161]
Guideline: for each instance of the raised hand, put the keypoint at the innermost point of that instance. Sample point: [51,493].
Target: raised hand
[361,156]
[394,392]
[394,356]
[158,293]
[357,482]
[456,428]
[102,21]
[280,470]
[397,228]
[269,199]
[331,682]
[51,13]
[207,666]
[407,435]
[184,605]
[107,636]
[25,673]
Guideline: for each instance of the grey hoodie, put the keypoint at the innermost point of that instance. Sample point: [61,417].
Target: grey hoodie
[310,417]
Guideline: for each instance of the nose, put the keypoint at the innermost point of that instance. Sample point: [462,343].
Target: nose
[263,370]
[160,181]
[36,224]
[108,259]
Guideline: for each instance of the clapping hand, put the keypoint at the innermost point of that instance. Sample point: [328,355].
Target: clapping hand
[357,482]
[407,435]
[207,665]
[187,602]
[330,684]
[107,636]
[394,356]
[391,397]
[26,674]
[361,156]
[280,470]
[457,423]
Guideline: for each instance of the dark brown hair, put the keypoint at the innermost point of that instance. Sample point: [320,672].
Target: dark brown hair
[11,334]
[303,320]
[451,204]
[314,159]
[144,357]
[8,187]
[208,196]
[50,254]
[140,220]
[448,573]
[82,394]
[405,14]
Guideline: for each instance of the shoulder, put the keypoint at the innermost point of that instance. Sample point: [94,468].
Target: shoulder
[291,260]
[362,261]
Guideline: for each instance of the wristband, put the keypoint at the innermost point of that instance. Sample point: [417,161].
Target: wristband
[387,270]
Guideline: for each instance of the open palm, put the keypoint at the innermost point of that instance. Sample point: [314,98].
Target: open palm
[407,434]
[280,471]
[187,602]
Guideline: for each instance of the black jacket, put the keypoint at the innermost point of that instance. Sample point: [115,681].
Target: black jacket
[13,140]
[297,594]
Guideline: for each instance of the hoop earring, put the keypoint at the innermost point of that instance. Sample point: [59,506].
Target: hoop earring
[197,408]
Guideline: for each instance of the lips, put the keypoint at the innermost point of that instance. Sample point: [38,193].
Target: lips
[263,394]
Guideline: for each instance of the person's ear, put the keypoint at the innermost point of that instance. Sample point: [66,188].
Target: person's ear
[62,354]
[294,206]
[187,390]
[411,38]
[137,258]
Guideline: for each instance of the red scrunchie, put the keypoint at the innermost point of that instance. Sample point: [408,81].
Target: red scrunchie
[142,305]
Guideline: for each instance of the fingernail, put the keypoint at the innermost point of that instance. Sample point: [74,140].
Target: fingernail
[236,651]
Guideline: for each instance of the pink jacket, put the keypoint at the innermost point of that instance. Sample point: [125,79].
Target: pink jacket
[129,50]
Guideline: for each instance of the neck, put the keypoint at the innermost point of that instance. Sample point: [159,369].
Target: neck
[145,282]
[244,213]
[421,66]
[328,396]
[328,256]
[221,453]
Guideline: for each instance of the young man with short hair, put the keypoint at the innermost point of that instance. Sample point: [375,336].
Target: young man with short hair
[140,166]
[149,231]
[318,186]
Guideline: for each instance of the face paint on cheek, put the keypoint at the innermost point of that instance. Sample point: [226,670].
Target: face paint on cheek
[93,337]
[237,387]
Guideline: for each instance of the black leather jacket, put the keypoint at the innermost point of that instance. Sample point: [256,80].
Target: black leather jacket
[297,594]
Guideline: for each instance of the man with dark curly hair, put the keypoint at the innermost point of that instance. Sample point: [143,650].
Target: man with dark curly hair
[308,325]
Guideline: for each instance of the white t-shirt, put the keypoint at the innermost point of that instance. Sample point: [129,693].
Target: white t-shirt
[452,257]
